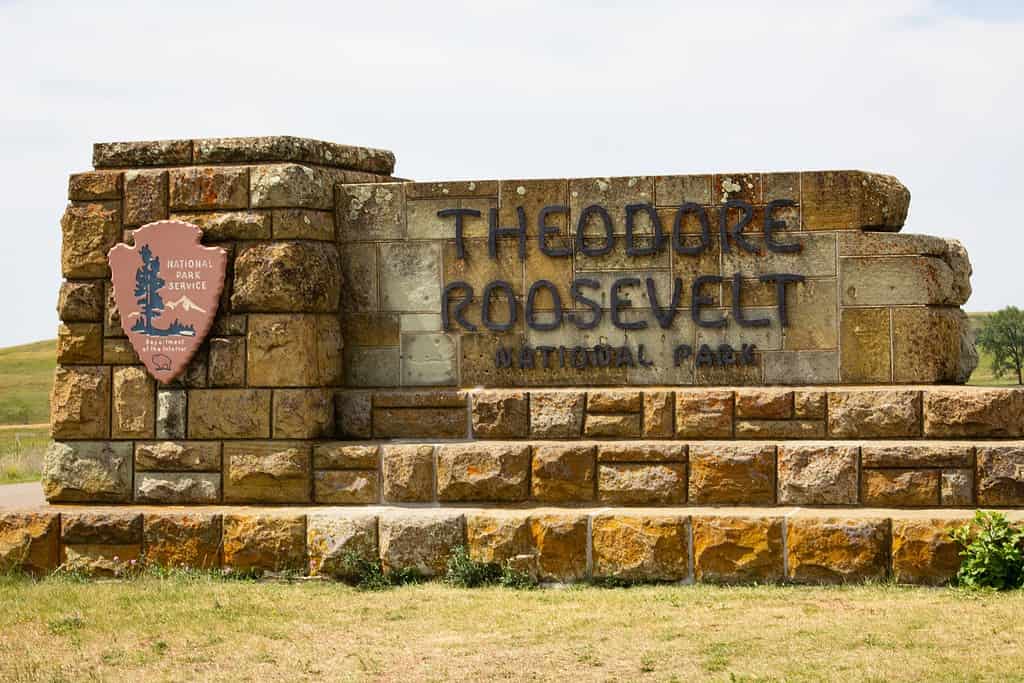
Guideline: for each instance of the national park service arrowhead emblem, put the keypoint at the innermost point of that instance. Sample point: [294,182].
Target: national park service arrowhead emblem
[167,288]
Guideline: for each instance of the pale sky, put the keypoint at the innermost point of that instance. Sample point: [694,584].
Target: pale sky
[928,91]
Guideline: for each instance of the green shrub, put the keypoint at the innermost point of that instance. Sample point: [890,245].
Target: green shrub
[465,572]
[369,575]
[992,552]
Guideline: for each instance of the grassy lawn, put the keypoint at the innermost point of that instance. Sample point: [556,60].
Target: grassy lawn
[208,629]
[26,373]
[21,453]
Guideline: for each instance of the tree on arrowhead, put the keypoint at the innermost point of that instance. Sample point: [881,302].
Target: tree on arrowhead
[147,288]
[1002,335]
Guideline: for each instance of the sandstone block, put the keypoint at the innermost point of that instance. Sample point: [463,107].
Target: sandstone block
[93,185]
[813,315]
[171,411]
[211,187]
[926,344]
[303,413]
[29,542]
[346,487]
[229,414]
[303,224]
[101,561]
[408,473]
[922,551]
[499,537]
[177,456]
[483,472]
[638,451]
[780,429]
[659,415]
[818,475]
[422,542]
[801,367]
[267,472]
[870,414]
[287,277]
[373,367]
[80,301]
[764,404]
[290,148]
[1001,475]
[286,351]
[614,401]
[89,231]
[359,270]
[371,212]
[645,547]
[810,405]
[563,473]
[410,277]
[352,412]
[80,403]
[119,352]
[142,153]
[177,488]
[918,455]
[613,426]
[436,423]
[145,197]
[182,540]
[835,550]
[88,471]
[80,343]
[258,543]
[290,186]
[227,362]
[101,528]
[730,549]
[111,318]
[134,406]
[974,412]
[956,488]
[849,200]
[865,340]
[898,280]
[642,484]
[339,455]
[223,226]
[556,415]
[333,541]
[429,360]
[501,415]
[900,488]
[561,543]
[725,474]
[704,414]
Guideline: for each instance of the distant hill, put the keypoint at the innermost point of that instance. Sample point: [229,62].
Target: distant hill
[26,374]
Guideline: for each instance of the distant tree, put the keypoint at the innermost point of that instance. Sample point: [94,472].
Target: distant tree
[1002,335]
[147,287]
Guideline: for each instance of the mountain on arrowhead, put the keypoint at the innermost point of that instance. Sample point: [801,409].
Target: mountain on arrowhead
[185,303]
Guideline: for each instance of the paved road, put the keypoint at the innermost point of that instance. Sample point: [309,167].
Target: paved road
[21,495]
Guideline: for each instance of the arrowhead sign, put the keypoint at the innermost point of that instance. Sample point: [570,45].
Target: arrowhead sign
[167,288]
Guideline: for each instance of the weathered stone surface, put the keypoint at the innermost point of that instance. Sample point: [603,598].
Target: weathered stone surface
[290,185]
[29,542]
[638,451]
[290,148]
[764,404]
[359,272]
[182,540]
[556,414]
[865,341]
[145,197]
[226,366]
[88,471]
[563,473]
[649,547]
[80,301]
[614,401]
[801,367]
[614,426]
[501,415]
[422,541]
[291,351]
[353,412]
[818,475]
[111,318]
[730,549]
[287,277]
[267,472]
[211,187]
[80,403]
[101,528]
[334,540]
[501,536]
[869,243]
[408,473]
[483,472]
[922,551]
[956,488]
[410,274]
[371,212]
[303,413]
[429,360]
[659,415]
[1001,475]
[641,484]
[724,474]
[834,550]
[813,314]
[561,543]
[101,561]
[780,429]
[177,488]
[177,456]
[93,185]
[373,367]
[704,414]
[437,423]
[134,406]
[258,543]
[89,231]
[926,344]
[339,455]
[229,225]
[422,398]
[974,412]
[810,405]
[141,153]
[303,224]
[848,200]
[346,487]
[916,455]
[119,352]
[874,414]
[80,343]
[899,488]
[171,411]
[229,414]
[899,280]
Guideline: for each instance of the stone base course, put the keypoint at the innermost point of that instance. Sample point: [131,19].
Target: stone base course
[674,544]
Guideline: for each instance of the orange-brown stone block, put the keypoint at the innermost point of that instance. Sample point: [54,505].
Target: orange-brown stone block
[1001,475]
[612,426]
[501,415]
[561,542]
[182,540]
[725,474]
[973,412]
[421,541]
[874,414]
[346,487]
[704,414]
[80,403]
[764,404]
[563,473]
[923,552]
[818,475]
[641,483]
[737,549]
[267,472]
[334,540]
[648,547]
[408,473]
[659,414]
[899,488]
[259,543]
[836,550]
[29,542]
[483,472]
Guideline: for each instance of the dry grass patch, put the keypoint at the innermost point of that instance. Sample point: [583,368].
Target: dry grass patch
[21,453]
[202,628]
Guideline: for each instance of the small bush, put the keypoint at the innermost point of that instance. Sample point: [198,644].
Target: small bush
[992,553]
[366,574]
[465,572]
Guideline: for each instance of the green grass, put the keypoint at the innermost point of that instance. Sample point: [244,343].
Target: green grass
[26,374]
[21,453]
